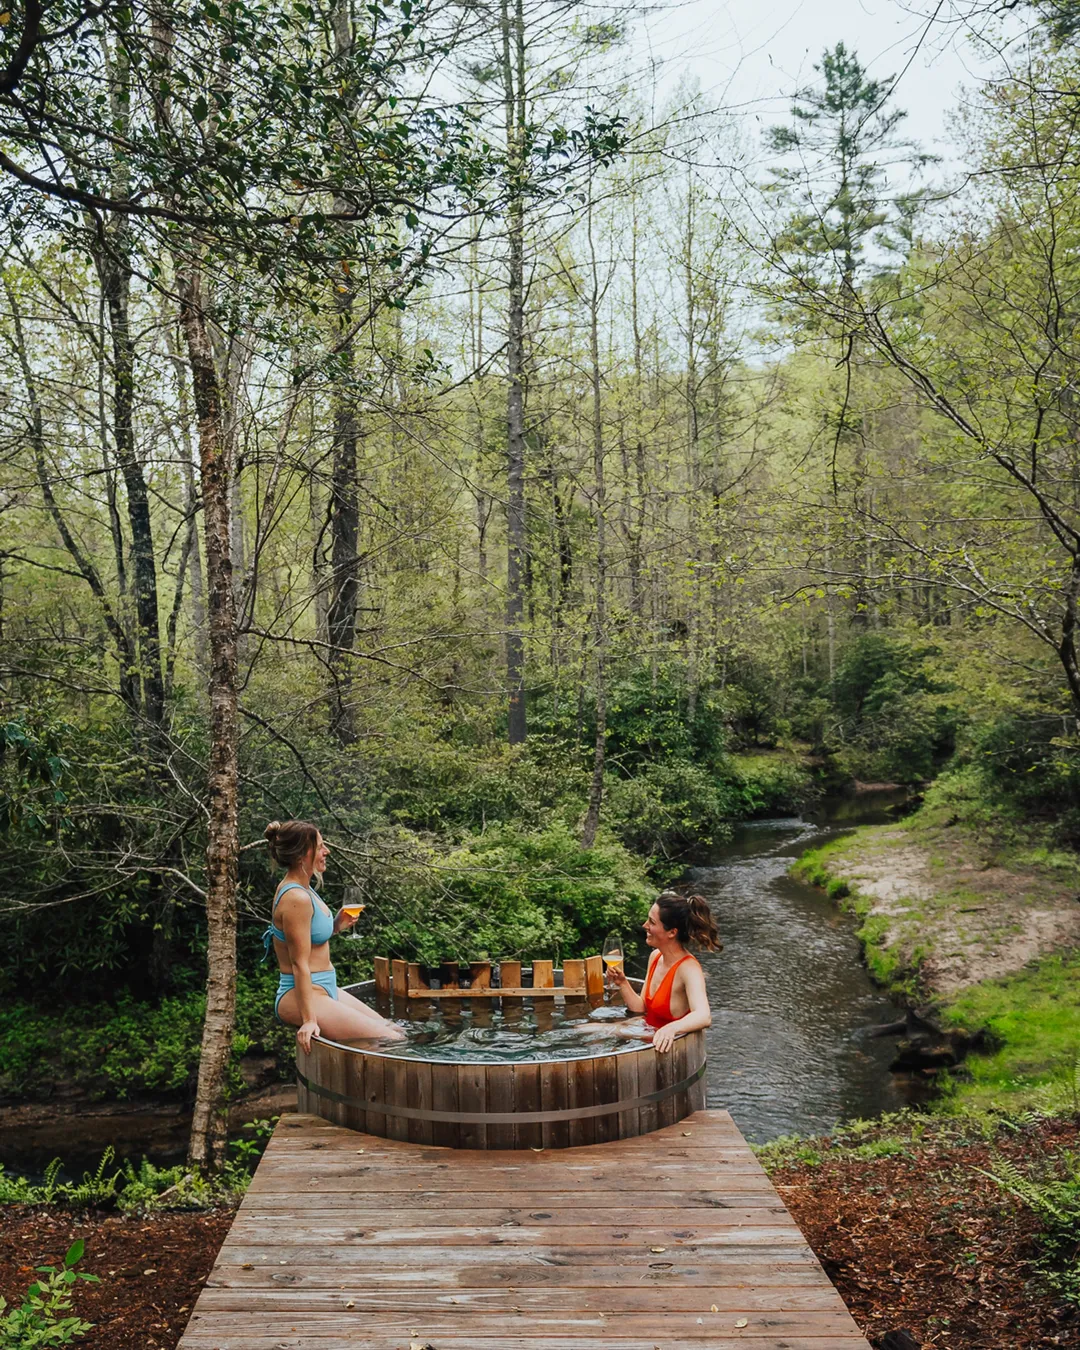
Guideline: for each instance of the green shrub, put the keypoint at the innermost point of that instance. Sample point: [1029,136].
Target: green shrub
[672,806]
[38,1323]
[504,893]
[127,1048]
[1051,1192]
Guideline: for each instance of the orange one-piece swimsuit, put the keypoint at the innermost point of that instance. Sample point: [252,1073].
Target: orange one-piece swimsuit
[658,1005]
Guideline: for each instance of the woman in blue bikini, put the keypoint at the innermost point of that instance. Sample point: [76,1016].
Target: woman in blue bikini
[300,930]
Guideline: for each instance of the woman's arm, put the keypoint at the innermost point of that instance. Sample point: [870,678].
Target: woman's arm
[629,994]
[296,925]
[697,1019]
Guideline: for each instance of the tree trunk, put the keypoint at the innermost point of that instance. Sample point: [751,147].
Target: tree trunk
[207,1146]
[344,483]
[596,786]
[116,283]
[513,44]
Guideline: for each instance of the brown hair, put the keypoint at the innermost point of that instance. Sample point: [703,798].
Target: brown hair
[691,918]
[291,842]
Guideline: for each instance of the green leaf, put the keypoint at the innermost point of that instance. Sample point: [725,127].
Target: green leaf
[75,1252]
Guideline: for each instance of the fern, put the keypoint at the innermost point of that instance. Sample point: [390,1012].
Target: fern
[1054,1200]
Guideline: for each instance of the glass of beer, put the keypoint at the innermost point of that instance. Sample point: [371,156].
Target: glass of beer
[354,906]
[612,953]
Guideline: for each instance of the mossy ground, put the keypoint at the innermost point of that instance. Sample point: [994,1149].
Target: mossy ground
[980,920]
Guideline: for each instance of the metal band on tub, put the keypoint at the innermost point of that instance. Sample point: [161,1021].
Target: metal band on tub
[503,1117]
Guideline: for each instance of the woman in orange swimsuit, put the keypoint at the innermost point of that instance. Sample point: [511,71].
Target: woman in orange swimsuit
[673,998]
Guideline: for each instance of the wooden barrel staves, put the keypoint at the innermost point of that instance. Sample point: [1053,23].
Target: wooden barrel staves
[556,1103]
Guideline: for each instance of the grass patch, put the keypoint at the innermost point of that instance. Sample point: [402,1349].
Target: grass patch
[1034,1019]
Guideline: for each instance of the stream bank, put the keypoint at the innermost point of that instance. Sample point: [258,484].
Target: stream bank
[975,929]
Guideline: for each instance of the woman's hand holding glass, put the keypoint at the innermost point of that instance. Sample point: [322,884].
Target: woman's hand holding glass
[350,911]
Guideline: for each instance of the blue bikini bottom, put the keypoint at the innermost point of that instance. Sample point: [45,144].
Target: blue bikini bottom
[325,979]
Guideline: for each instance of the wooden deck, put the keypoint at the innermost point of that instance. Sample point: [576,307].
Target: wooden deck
[673,1241]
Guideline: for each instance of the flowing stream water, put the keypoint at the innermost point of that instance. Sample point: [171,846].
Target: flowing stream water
[790,1049]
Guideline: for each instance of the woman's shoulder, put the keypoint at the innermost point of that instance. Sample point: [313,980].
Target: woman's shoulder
[294,891]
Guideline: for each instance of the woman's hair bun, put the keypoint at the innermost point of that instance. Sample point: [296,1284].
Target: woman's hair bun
[292,841]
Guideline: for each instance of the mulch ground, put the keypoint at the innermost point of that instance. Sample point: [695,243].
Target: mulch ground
[926,1244]
[919,1242]
[151,1269]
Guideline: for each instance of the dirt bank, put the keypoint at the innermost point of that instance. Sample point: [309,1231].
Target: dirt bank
[941,904]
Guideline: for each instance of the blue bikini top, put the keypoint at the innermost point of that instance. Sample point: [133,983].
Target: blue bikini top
[322,921]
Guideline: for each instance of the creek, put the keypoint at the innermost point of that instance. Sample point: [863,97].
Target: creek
[790,1047]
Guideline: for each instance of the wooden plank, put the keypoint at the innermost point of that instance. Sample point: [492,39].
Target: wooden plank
[770,1284]
[382,975]
[395,1089]
[608,1323]
[444,1097]
[449,974]
[399,978]
[527,1098]
[582,1086]
[509,975]
[370,1214]
[330,1338]
[479,974]
[639,1261]
[410,1228]
[555,1093]
[573,974]
[500,1098]
[606,1077]
[374,1091]
[415,978]
[375,1193]
[257,1290]
[418,1090]
[626,1071]
[543,973]
[355,1088]
[514,991]
[594,976]
[472,1087]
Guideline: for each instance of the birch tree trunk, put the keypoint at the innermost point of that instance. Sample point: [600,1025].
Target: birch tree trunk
[207,1144]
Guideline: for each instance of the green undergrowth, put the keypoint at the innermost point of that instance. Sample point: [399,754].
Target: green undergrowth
[128,1048]
[906,1132]
[144,1187]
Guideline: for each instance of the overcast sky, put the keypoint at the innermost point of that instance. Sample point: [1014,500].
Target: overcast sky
[754,53]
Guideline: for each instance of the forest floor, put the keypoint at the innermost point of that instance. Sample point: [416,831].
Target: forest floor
[901,1214]
[918,1237]
[150,1268]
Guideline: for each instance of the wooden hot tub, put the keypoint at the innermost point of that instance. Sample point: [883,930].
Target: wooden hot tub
[554,1103]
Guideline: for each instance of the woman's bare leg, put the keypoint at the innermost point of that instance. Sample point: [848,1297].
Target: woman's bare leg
[390,1031]
[338,1019]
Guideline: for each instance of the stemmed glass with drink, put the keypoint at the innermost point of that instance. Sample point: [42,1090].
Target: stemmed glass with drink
[612,953]
[353,906]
